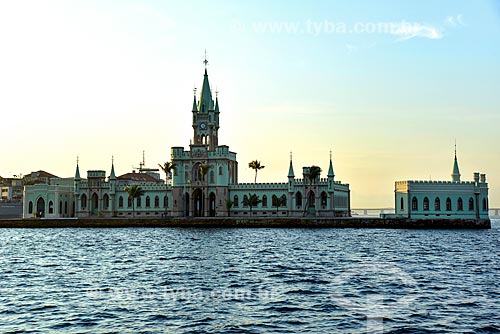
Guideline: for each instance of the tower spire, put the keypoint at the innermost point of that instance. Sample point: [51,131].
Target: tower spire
[112,175]
[195,107]
[291,174]
[77,173]
[330,168]
[455,175]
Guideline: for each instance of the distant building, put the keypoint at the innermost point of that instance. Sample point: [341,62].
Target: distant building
[11,189]
[191,194]
[443,199]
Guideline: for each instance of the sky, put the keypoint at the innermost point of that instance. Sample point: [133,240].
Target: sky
[387,86]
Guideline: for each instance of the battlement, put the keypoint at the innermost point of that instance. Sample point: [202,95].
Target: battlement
[433,182]
[259,186]
[96,174]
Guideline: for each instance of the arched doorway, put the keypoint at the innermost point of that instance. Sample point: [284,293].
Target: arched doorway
[198,202]
[40,207]
[186,205]
[211,211]
[94,204]
[311,202]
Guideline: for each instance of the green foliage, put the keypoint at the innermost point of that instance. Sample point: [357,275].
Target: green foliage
[167,168]
[314,173]
[229,205]
[255,165]
[204,168]
[252,200]
[134,191]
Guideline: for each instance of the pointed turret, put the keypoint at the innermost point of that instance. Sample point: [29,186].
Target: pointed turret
[195,108]
[77,173]
[455,176]
[112,176]
[216,102]
[290,169]
[330,169]
[206,101]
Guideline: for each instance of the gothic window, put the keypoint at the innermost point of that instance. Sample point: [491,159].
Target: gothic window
[60,206]
[235,201]
[220,170]
[66,207]
[165,201]
[120,202]
[129,202]
[274,200]
[105,201]
[437,204]
[471,204]
[485,205]
[139,202]
[84,201]
[402,204]
[460,204]
[298,199]
[414,204]
[186,176]
[30,207]
[148,202]
[426,204]
[283,200]
[157,202]
[245,200]
[212,177]
[51,207]
[323,199]
[264,201]
[448,204]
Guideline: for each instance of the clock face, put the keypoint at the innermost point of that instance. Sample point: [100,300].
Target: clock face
[203,126]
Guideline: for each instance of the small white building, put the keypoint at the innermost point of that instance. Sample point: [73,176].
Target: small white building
[443,199]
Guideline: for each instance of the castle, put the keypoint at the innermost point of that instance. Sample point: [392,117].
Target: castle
[204,184]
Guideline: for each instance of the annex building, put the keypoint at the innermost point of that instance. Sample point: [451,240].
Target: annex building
[443,199]
[204,183]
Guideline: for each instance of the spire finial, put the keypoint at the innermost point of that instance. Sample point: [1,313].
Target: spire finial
[291,155]
[330,154]
[216,92]
[455,147]
[194,90]
[205,61]
[77,159]
[112,159]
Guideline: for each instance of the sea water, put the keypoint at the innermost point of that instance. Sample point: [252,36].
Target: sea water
[218,280]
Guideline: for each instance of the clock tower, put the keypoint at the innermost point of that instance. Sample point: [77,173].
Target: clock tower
[206,116]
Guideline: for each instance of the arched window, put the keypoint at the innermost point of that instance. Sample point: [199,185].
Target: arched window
[148,202]
[437,204]
[60,206]
[157,202]
[283,200]
[120,202]
[129,202]
[414,204]
[65,207]
[245,200]
[51,207]
[324,199]
[83,201]
[448,204]
[220,170]
[274,200]
[264,201]
[485,205]
[235,201]
[105,201]
[165,201]
[402,204]
[186,176]
[471,204]
[460,204]
[30,207]
[139,202]
[212,177]
[426,204]
[298,199]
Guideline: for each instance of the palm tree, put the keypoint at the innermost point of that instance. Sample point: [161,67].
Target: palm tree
[167,168]
[278,201]
[314,173]
[204,167]
[229,205]
[252,200]
[255,165]
[134,191]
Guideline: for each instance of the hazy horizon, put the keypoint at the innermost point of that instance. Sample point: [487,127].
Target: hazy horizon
[388,87]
